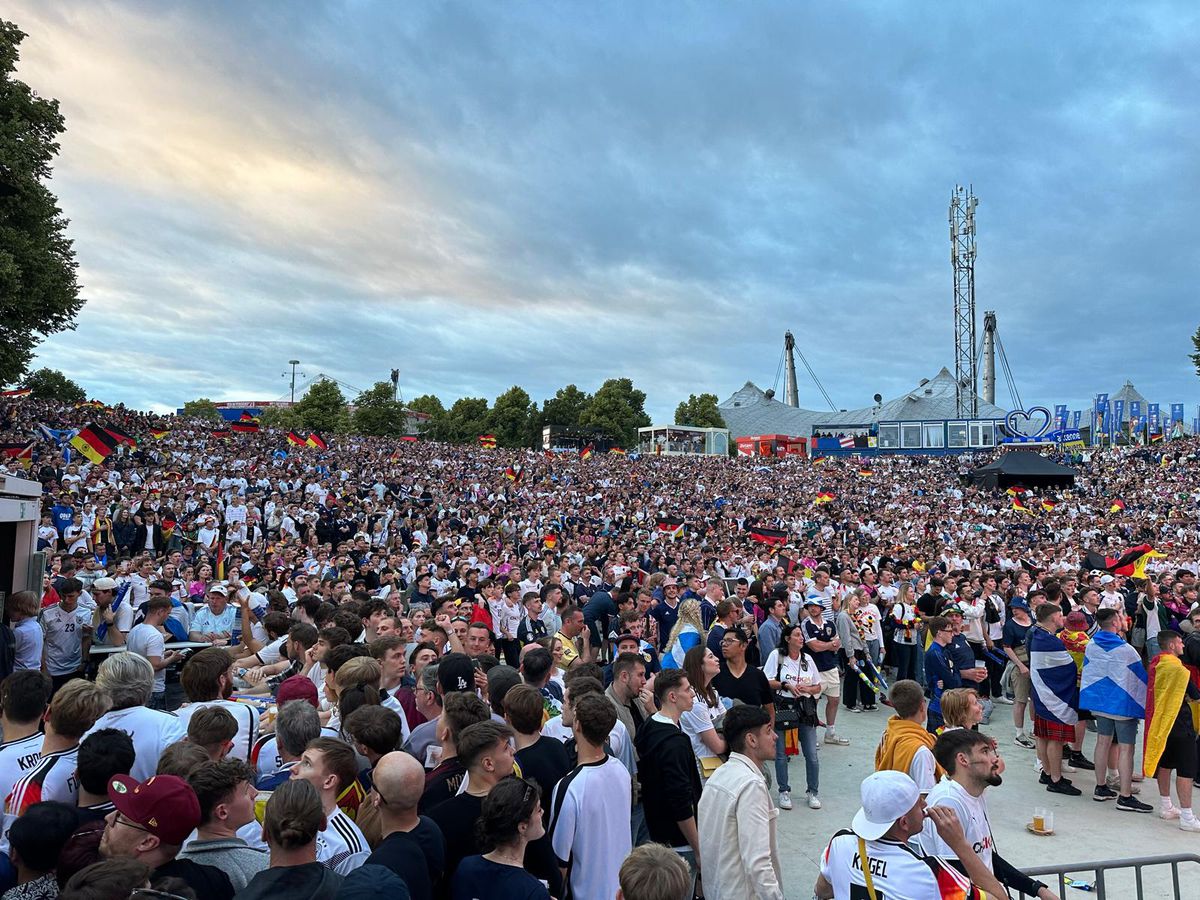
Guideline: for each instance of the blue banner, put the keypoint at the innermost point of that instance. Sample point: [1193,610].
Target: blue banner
[1118,414]
[1176,413]
[1078,416]
[1101,403]
[1152,413]
[1060,416]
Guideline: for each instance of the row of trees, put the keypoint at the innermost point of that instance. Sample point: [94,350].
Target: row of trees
[617,408]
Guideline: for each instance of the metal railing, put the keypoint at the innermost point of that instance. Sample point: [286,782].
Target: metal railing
[1079,871]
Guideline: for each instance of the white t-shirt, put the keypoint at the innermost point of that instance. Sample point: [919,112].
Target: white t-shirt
[701,718]
[972,815]
[802,671]
[341,846]
[18,757]
[247,719]
[53,778]
[146,640]
[583,808]
[151,730]
[897,872]
[64,638]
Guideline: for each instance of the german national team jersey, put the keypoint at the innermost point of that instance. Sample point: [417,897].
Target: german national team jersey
[897,872]
[341,846]
[972,815]
[17,758]
[53,778]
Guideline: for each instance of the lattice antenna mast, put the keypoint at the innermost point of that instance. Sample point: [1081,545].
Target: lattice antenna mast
[962,257]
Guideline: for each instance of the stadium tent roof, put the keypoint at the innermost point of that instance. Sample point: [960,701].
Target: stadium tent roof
[1023,468]
[750,411]
[1129,393]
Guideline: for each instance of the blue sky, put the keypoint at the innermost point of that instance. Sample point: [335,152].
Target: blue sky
[483,194]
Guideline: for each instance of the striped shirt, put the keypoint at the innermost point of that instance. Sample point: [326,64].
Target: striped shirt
[341,846]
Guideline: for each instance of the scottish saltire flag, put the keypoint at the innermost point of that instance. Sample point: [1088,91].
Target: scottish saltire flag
[59,435]
[1054,676]
[1114,679]
[687,638]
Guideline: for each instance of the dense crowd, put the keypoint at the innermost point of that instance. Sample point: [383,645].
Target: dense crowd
[442,671]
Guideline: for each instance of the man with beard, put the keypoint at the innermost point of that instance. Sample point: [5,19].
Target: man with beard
[972,766]
[207,680]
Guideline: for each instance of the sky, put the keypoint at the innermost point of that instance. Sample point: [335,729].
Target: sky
[485,194]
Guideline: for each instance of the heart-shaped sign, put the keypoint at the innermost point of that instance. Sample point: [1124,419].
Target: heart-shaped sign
[1032,422]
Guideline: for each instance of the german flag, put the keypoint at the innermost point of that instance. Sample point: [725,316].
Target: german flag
[672,525]
[866,472]
[296,440]
[22,454]
[1048,505]
[487,441]
[94,442]
[586,452]
[824,497]
[220,563]
[1117,506]
[1016,491]
[90,404]
[514,473]
[247,417]
[768,535]
[817,460]
[1155,438]
[158,433]
[168,528]
[550,541]
[315,440]
[221,433]
[618,451]
[1019,505]
[121,436]
[17,393]
[245,427]
[549,454]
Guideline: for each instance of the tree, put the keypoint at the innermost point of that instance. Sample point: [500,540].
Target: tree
[51,384]
[514,418]
[39,295]
[464,422]
[699,412]
[376,413]
[431,406]
[282,417]
[1195,357]
[565,407]
[323,408]
[202,409]
[618,409]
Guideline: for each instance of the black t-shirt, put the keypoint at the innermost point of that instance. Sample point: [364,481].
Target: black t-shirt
[456,818]
[206,881]
[751,687]
[482,879]
[545,762]
[927,604]
[441,784]
[310,881]
[401,853]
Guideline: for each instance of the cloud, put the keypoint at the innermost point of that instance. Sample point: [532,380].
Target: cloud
[484,195]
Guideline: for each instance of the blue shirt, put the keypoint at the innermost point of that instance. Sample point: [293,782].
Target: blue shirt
[206,622]
[61,516]
[941,675]
[825,659]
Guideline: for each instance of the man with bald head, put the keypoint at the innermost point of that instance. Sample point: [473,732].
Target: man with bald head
[413,846]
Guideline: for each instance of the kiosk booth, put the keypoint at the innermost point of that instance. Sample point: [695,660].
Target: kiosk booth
[21,568]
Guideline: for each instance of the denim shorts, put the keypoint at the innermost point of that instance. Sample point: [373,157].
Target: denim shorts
[1124,730]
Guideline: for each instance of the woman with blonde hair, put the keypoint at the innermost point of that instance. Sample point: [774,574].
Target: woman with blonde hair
[961,708]
[906,635]
[687,633]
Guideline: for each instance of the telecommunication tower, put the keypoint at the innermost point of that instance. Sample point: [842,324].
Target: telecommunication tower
[962,257]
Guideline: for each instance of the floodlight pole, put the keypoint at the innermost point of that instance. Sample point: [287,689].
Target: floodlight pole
[293,363]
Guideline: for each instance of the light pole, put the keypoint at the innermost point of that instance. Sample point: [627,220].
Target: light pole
[293,363]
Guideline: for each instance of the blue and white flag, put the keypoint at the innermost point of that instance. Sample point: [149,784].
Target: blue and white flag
[1055,678]
[59,435]
[689,636]
[1114,679]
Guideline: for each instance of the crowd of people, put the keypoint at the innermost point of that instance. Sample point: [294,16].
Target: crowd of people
[442,671]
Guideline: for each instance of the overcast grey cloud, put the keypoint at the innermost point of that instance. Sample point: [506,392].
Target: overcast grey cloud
[485,194]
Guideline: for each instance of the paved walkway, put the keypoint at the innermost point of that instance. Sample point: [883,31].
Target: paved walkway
[1084,829]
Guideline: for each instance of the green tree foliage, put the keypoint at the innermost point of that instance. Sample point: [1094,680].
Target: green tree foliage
[464,422]
[51,384]
[565,407]
[1195,357]
[39,295]
[323,408]
[282,417]
[377,414]
[432,407]
[514,419]
[618,409]
[700,412]
[202,408]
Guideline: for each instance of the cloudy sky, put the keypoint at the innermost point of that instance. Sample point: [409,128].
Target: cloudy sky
[483,194]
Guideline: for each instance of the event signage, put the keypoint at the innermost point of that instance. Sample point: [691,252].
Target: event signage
[1176,413]
[1152,413]
[1060,416]
[1118,413]
[1031,423]
[1078,417]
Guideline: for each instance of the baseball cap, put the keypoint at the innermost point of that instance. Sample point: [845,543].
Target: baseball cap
[298,687]
[165,805]
[218,589]
[456,672]
[813,601]
[670,582]
[1018,603]
[104,584]
[886,796]
[952,609]
[1107,579]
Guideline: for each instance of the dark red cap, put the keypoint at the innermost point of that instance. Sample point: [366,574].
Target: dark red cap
[298,687]
[165,805]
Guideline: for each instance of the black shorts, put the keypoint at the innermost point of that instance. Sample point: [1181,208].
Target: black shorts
[1181,754]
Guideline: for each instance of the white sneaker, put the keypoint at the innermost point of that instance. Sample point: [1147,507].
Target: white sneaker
[813,802]
[1067,767]
[1037,765]
[785,800]
[1024,740]
[1005,700]
[836,739]
[1189,825]
[1168,814]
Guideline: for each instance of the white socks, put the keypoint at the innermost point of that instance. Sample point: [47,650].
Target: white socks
[1167,806]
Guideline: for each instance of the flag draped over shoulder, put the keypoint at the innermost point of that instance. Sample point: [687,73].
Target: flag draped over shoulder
[687,638]
[1055,678]
[1114,679]
[1165,696]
